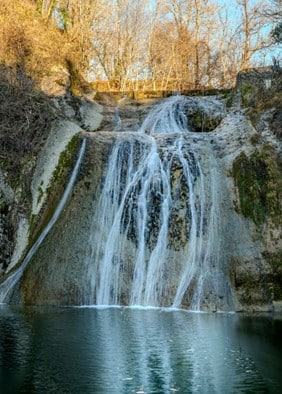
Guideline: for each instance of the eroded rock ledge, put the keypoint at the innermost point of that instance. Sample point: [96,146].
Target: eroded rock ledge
[249,158]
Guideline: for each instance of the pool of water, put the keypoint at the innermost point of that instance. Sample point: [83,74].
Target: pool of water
[127,350]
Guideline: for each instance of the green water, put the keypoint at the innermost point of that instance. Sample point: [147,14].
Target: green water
[124,350]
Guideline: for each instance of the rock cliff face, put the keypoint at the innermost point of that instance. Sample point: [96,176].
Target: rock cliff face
[249,163]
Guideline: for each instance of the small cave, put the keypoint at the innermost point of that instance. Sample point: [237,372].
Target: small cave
[199,121]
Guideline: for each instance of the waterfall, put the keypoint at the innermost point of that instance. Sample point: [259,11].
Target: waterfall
[155,236]
[8,285]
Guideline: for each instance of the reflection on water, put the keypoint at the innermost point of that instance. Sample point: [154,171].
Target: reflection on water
[124,350]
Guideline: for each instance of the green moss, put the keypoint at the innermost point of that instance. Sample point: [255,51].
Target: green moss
[248,93]
[65,163]
[258,181]
[275,261]
[4,207]
[40,194]
[228,97]
[199,121]
[56,188]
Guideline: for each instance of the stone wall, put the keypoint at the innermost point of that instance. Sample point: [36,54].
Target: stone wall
[260,77]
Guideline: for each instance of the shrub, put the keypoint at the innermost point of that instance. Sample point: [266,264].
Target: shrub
[25,114]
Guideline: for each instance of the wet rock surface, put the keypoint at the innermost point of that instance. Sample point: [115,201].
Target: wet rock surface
[249,183]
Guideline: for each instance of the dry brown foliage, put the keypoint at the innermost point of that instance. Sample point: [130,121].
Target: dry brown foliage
[25,117]
[29,47]
[27,40]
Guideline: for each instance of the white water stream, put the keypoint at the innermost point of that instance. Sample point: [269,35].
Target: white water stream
[8,285]
[155,238]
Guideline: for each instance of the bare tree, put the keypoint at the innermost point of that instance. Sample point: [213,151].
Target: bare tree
[273,12]
[120,40]
[133,44]
[251,30]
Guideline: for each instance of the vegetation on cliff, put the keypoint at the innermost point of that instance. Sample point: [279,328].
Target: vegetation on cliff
[261,93]
[259,183]
[26,114]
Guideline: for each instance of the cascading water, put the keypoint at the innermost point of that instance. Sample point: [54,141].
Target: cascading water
[8,285]
[155,237]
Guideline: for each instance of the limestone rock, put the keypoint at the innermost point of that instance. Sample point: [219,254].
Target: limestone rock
[90,114]
[56,82]
[249,184]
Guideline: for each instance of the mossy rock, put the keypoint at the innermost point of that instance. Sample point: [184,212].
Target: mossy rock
[259,185]
[56,188]
[228,97]
[275,261]
[248,94]
[4,207]
[200,121]
[276,121]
